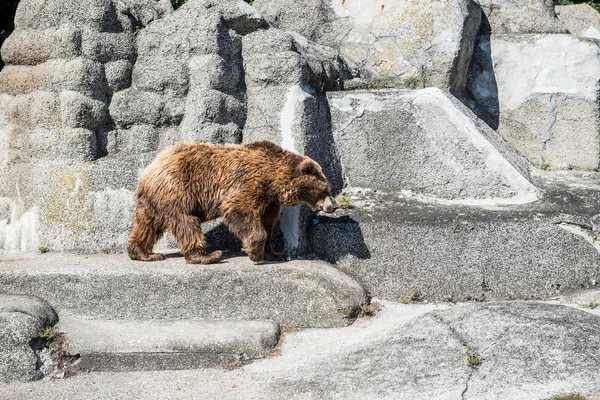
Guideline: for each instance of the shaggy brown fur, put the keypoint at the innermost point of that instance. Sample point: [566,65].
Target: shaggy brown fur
[246,185]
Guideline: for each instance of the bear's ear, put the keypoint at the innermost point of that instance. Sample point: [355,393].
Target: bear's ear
[306,167]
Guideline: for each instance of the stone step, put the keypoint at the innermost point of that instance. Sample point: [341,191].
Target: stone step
[153,345]
[401,247]
[299,293]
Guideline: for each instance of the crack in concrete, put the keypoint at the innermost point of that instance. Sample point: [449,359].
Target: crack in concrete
[463,341]
[464,392]
[547,134]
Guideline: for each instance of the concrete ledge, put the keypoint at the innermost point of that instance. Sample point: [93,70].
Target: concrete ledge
[114,345]
[398,247]
[114,287]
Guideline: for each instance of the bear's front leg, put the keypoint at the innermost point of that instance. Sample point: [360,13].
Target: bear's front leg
[249,229]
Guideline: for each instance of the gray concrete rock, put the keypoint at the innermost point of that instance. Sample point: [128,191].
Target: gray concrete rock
[548,112]
[107,46]
[144,12]
[33,46]
[156,74]
[100,15]
[404,44]
[527,351]
[80,75]
[112,345]
[118,75]
[581,20]
[134,106]
[79,111]
[419,141]
[22,319]
[398,247]
[516,16]
[234,289]
[30,305]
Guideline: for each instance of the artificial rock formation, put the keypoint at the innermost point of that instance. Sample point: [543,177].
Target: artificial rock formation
[92,91]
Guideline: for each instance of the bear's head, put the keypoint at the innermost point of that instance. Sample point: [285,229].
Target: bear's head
[309,186]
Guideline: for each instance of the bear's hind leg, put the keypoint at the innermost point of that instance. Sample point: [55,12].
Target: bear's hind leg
[188,233]
[250,231]
[146,232]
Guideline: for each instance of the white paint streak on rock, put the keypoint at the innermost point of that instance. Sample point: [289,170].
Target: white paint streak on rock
[18,233]
[545,64]
[493,158]
[591,33]
[290,216]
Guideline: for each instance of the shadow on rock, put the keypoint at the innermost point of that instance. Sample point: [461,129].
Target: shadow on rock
[333,238]
[482,89]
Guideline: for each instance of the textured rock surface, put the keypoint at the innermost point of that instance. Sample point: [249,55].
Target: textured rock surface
[397,246]
[94,90]
[22,318]
[405,44]
[547,111]
[111,345]
[234,289]
[527,351]
[420,141]
[517,16]
[581,20]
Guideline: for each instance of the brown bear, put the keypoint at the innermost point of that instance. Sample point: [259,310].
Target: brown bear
[246,185]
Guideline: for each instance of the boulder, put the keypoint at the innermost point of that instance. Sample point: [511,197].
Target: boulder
[406,44]
[547,94]
[421,142]
[517,16]
[581,20]
[22,320]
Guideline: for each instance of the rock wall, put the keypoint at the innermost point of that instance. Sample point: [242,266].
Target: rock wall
[538,85]
[93,90]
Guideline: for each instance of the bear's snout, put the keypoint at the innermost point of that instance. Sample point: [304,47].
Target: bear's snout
[328,205]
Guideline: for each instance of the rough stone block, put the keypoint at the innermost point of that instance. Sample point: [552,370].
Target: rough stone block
[547,93]
[581,20]
[79,75]
[419,141]
[286,68]
[107,46]
[200,29]
[22,319]
[210,132]
[77,144]
[100,15]
[400,247]
[402,44]
[212,71]
[166,344]
[118,75]
[234,289]
[212,106]
[517,16]
[160,74]
[144,12]
[79,111]
[32,46]
[134,140]
[133,106]
[35,110]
